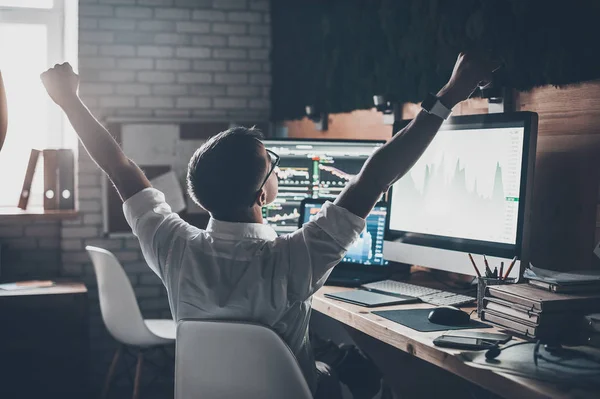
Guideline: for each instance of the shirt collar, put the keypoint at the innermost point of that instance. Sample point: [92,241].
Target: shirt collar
[246,230]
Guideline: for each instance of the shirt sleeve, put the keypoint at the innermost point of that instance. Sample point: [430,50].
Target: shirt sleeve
[157,228]
[318,246]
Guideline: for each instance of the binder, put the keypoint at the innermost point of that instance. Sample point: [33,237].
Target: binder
[50,179]
[527,315]
[540,300]
[510,309]
[525,329]
[26,190]
[66,179]
[566,289]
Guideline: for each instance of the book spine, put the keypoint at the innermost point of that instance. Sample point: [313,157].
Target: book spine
[26,190]
[50,179]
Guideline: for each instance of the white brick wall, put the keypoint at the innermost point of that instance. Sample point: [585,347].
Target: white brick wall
[145,58]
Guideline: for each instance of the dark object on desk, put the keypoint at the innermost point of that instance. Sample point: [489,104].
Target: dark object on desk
[370,299]
[353,277]
[497,338]
[449,316]
[467,343]
[417,320]
[44,343]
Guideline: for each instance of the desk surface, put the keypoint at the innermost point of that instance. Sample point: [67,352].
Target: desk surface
[57,289]
[420,345]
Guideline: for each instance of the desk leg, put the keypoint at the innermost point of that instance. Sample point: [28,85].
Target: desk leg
[410,377]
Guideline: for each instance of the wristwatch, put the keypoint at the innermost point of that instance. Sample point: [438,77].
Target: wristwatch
[432,105]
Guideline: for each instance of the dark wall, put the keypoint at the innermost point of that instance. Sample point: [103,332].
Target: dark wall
[337,54]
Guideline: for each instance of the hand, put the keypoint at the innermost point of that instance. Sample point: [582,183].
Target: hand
[61,84]
[470,71]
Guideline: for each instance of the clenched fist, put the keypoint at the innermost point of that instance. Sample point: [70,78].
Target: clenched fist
[61,83]
[470,71]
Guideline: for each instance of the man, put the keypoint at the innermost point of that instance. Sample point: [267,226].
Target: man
[238,269]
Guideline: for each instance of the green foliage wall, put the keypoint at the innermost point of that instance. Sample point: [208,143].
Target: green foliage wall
[337,54]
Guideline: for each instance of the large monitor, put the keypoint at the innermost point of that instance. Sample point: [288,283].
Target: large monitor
[312,169]
[470,192]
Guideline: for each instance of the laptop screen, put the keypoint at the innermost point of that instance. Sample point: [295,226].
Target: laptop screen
[368,249]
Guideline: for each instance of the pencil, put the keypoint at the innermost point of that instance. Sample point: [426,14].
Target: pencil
[510,267]
[501,271]
[474,265]
[488,271]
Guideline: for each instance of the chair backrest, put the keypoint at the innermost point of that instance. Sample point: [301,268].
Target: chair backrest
[219,359]
[120,310]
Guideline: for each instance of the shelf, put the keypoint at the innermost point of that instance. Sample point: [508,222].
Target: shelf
[37,213]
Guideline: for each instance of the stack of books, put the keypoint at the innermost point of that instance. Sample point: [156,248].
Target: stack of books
[538,313]
[582,282]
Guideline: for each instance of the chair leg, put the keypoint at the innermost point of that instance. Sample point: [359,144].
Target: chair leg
[138,375]
[111,371]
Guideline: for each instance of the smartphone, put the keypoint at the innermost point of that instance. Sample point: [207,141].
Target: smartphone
[462,343]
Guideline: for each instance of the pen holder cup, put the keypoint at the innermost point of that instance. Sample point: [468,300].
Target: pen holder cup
[482,284]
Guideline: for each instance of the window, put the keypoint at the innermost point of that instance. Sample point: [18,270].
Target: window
[27,3]
[32,38]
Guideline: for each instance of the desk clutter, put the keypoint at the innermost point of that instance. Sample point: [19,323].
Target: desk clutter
[542,309]
[579,367]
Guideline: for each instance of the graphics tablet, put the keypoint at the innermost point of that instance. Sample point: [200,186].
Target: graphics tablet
[370,299]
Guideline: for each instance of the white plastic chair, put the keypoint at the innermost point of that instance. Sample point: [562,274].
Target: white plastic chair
[220,359]
[122,317]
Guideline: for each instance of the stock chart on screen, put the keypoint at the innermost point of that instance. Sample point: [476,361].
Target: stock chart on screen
[466,185]
[312,169]
[368,249]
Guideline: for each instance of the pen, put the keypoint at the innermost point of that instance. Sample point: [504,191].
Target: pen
[510,267]
[488,271]
[501,271]
[474,265]
[495,274]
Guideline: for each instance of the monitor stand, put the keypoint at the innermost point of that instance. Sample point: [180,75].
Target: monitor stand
[353,277]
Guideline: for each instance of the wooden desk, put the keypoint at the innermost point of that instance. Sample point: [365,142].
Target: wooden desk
[44,342]
[420,345]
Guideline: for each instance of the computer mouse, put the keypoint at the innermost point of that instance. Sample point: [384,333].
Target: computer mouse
[449,316]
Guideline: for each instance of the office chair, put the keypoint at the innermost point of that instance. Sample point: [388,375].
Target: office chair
[221,359]
[122,317]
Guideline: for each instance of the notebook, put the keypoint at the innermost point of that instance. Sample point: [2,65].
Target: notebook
[370,299]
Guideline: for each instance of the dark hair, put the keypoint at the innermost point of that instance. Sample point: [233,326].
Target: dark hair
[225,173]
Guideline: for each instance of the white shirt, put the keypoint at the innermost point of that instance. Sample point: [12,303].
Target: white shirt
[243,271]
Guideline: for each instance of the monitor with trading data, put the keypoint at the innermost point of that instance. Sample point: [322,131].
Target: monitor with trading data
[368,249]
[312,169]
[470,192]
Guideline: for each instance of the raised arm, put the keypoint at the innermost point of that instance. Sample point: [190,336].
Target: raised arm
[62,84]
[3,112]
[397,156]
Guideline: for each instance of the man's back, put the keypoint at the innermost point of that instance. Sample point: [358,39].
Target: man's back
[243,271]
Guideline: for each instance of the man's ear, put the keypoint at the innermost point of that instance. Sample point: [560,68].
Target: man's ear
[261,200]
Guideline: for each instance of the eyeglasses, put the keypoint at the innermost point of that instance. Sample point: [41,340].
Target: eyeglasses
[274,163]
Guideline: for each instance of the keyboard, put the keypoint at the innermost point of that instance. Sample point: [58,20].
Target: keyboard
[427,295]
